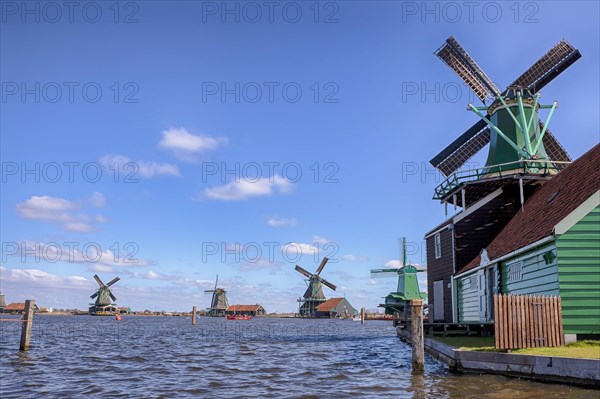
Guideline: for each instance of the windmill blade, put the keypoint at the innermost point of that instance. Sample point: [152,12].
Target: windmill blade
[114,298]
[100,283]
[555,150]
[94,295]
[552,64]
[303,271]
[216,282]
[209,290]
[383,273]
[321,266]
[327,283]
[453,55]
[454,156]
[114,280]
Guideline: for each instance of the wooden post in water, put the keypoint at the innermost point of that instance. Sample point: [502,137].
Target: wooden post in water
[362,316]
[418,345]
[194,316]
[26,327]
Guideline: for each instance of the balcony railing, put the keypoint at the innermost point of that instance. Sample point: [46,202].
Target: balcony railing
[525,166]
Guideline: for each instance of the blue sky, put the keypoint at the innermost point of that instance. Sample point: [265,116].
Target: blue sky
[196,136]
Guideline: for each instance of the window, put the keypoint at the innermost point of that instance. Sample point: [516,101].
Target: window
[438,246]
[515,272]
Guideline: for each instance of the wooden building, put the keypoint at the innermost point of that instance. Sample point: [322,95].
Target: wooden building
[551,247]
[18,308]
[250,310]
[454,243]
[336,307]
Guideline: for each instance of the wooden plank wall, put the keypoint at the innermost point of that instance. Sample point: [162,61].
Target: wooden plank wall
[524,321]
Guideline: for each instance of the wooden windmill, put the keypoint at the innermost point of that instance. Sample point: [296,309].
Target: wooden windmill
[408,285]
[521,148]
[103,306]
[218,303]
[313,296]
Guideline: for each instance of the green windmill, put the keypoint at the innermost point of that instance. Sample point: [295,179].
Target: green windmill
[313,296]
[103,305]
[520,145]
[408,285]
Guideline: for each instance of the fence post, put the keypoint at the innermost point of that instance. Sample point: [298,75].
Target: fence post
[26,327]
[418,345]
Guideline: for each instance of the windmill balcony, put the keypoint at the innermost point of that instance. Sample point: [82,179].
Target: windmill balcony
[524,167]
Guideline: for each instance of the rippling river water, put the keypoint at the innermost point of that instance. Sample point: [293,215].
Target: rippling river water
[165,357]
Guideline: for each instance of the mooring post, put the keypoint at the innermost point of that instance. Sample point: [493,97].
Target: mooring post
[362,316]
[26,327]
[194,316]
[418,348]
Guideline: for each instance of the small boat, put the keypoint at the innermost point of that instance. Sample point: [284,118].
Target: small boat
[238,317]
[356,318]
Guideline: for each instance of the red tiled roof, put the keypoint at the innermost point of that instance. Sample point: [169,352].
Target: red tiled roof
[329,305]
[550,204]
[15,306]
[243,308]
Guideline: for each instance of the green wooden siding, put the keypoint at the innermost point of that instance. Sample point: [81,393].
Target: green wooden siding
[579,275]
[468,299]
[539,275]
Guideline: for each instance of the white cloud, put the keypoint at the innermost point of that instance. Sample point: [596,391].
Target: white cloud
[187,146]
[130,170]
[321,240]
[297,249]
[354,258]
[152,275]
[89,253]
[281,222]
[260,264]
[79,227]
[394,263]
[46,208]
[97,199]
[59,210]
[244,189]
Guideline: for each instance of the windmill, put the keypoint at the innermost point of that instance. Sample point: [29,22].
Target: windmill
[218,303]
[408,285]
[313,296]
[520,145]
[103,305]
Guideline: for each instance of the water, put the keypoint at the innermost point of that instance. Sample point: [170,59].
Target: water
[165,357]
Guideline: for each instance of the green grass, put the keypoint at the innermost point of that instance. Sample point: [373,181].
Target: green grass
[583,349]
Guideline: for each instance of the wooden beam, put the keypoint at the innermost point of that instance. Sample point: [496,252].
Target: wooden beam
[27,323]
[418,348]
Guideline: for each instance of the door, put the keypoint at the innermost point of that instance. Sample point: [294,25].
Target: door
[438,300]
[481,292]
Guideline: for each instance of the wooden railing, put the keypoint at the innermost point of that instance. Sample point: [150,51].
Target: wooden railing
[527,321]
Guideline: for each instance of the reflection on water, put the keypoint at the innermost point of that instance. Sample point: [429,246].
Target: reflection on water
[262,358]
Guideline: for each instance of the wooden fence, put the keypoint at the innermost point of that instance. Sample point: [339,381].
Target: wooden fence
[523,321]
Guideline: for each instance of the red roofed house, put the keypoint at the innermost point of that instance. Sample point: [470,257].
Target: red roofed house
[18,308]
[551,247]
[250,310]
[335,307]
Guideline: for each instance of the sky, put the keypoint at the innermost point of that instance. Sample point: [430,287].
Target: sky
[168,143]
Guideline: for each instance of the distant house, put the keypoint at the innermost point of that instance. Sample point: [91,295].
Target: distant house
[552,247]
[18,308]
[250,310]
[336,307]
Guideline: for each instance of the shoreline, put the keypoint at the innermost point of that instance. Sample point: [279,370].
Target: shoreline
[550,369]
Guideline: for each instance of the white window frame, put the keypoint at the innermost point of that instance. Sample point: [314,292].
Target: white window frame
[437,243]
